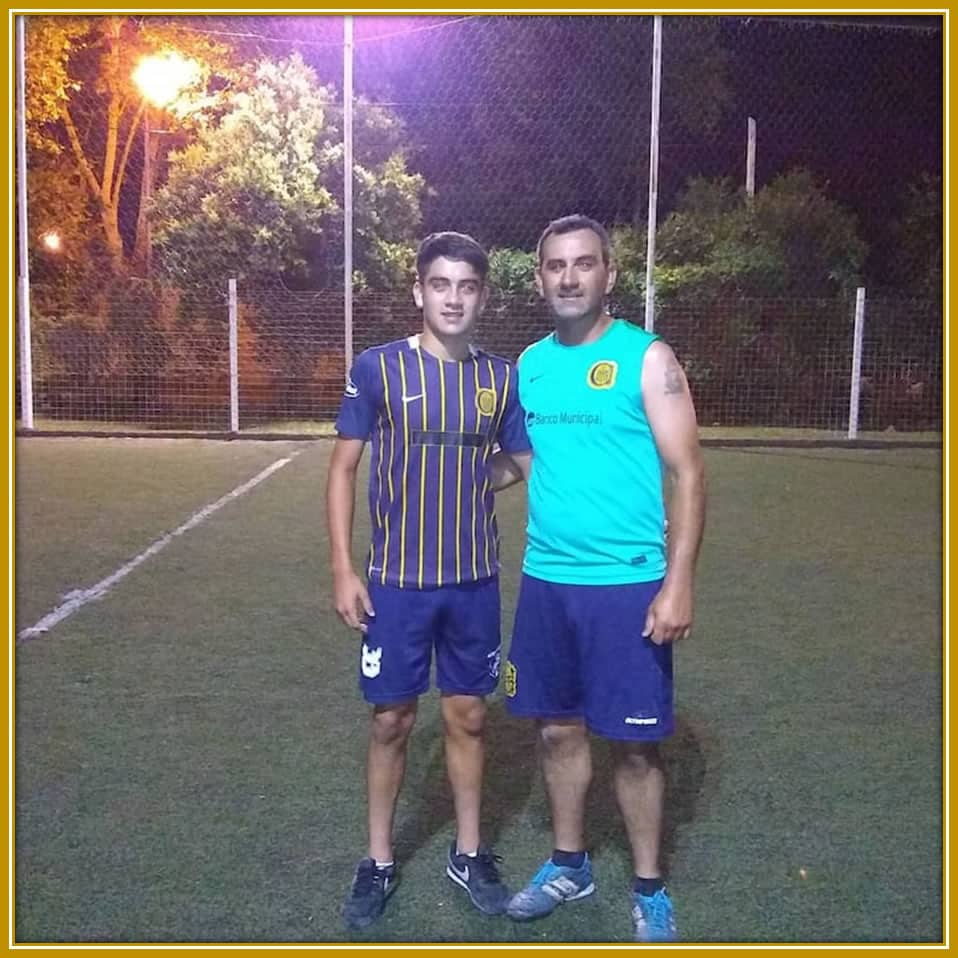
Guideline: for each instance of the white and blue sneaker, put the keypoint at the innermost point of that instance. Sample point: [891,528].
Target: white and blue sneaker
[653,917]
[551,885]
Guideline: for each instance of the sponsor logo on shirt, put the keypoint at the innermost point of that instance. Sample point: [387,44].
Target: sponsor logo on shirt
[563,419]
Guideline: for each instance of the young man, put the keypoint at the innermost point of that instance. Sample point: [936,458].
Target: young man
[433,407]
[607,406]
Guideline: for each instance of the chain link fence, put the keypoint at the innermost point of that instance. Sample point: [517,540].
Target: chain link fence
[142,204]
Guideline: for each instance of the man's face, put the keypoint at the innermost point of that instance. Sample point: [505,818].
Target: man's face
[571,276]
[451,296]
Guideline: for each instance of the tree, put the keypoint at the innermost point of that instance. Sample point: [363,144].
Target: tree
[256,194]
[387,202]
[239,199]
[82,102]
[916,266]
[58,205]
[512,271]
[791,240]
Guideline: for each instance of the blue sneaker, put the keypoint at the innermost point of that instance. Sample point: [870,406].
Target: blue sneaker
[551,885]
[653,917]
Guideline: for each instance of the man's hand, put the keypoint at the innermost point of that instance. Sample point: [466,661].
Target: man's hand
[351,600]
[670,615]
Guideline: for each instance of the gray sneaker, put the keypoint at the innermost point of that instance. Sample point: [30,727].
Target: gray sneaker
[479,875]
[368,893]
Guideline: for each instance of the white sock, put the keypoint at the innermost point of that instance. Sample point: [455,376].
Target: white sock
[381,865]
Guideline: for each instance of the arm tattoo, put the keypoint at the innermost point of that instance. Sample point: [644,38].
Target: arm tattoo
[673,379]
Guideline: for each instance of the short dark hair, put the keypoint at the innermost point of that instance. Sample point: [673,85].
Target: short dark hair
[571,223]
[457,246]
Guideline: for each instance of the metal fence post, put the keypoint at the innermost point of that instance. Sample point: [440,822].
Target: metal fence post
[855,391]
[234,361]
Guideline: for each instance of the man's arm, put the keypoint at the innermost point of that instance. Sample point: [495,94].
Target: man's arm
[508,468]
[671,414]
[350,596]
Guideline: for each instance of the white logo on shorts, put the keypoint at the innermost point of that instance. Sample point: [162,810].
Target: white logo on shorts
[494,658]
[640,720]
[372,661]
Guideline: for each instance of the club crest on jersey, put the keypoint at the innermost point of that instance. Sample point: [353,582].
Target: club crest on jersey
[510,679]
[601,375]
[486,401]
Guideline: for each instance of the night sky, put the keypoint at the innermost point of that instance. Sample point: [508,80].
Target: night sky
[514,120]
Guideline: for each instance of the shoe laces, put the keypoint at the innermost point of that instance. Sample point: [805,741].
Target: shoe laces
[367,876]
[550,871]
[655,909]
[486,865]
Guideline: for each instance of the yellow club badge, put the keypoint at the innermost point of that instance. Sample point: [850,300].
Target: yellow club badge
[601,375]
[486,401]
[510,679]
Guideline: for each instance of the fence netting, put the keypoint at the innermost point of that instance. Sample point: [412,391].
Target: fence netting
[170,154]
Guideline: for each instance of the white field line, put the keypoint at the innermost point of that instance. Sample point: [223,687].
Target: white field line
[80,597]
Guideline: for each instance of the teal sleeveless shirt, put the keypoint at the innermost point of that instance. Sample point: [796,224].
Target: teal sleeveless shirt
[596,509]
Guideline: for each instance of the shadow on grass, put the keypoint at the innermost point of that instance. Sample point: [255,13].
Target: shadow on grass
[687,759]
[511,769]
[512,774]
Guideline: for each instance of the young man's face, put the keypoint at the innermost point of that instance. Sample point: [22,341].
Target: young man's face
[571,276]
[451,296]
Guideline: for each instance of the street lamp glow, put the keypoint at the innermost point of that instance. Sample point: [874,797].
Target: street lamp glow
[52,241]
[162,76]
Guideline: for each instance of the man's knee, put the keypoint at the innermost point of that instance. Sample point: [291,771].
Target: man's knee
[464,715]
[391,724]
[638,757]
[559,738]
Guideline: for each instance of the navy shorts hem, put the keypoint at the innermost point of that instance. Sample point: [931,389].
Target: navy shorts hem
[541,714]
[623,735]
[394,699]
[477,694]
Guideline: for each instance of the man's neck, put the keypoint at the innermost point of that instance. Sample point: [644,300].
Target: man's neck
[448,348]
[588,329]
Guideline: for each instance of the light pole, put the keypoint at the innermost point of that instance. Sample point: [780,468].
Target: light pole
[146,192]
[160,77]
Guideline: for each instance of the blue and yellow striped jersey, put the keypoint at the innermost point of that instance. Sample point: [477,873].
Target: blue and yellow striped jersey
[432,425]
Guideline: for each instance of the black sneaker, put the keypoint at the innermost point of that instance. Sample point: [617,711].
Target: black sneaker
[480,877]
[367,896]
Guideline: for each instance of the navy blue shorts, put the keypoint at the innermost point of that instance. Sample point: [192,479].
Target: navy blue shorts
[460,621]
[578,652]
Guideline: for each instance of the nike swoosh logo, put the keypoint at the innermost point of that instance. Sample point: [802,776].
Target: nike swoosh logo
[532,379]
[462,873]
[411,398]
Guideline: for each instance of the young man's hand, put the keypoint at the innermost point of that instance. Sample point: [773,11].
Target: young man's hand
[351,600]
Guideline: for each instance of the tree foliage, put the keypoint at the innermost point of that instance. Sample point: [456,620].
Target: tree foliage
[256,193]
[82,102]
[512,271]
[790,240]
[917,264]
